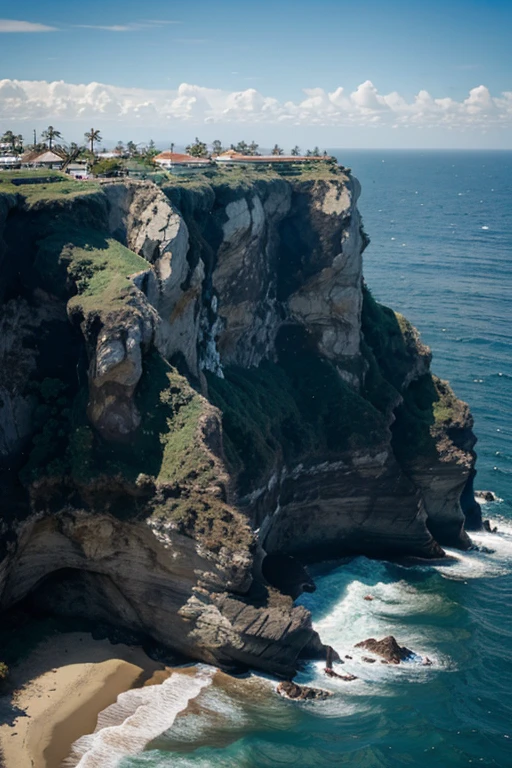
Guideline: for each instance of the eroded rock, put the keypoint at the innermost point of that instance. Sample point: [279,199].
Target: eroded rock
[290,690]
[388,648]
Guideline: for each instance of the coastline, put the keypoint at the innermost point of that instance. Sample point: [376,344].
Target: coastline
[59,690]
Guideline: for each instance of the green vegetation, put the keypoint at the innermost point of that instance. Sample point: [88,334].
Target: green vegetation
[107,167]
[171,411]
[393,341]
[99,266]
[197,149]
[4,671]
[41,186]
[297,407]
[428,410]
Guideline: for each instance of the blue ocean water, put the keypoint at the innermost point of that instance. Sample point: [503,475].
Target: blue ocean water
[441,253]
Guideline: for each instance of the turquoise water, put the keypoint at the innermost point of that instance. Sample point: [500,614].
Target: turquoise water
[441,252]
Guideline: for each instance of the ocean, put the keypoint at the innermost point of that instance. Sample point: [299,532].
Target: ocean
[441,253]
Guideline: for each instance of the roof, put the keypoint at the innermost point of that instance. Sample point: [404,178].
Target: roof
[180,159]
[237,157]
[46,156]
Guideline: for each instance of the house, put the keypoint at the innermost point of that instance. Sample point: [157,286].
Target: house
[47,158]
[279,162]
[78,170]
[9,161]
[180,164]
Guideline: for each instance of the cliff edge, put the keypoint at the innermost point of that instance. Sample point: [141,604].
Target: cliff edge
[198,395]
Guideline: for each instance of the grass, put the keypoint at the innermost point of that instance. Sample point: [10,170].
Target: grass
[98,265]
[61,187]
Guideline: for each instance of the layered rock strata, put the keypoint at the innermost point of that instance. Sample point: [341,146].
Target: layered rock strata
[198,393]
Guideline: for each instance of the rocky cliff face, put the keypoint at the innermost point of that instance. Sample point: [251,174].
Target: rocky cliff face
[196,386]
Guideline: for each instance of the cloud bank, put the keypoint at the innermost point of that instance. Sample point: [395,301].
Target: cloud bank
[365,106]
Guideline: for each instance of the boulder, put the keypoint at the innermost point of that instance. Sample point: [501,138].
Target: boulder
[290,690]
[486,496]
[388,648]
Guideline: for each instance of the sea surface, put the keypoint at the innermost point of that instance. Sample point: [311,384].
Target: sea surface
[441,252]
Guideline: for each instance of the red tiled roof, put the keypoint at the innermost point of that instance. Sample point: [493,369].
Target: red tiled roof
[178,158]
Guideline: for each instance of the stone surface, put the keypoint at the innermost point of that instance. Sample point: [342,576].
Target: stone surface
[388,648]
[301,692]
[160,537]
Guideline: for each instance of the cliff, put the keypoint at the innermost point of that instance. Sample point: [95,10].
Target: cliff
[198,394]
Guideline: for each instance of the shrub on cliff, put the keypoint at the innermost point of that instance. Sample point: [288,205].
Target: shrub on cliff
[299,407]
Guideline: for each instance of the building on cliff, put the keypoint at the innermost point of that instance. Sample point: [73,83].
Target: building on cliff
[47,158]
[281,163]
[181,164]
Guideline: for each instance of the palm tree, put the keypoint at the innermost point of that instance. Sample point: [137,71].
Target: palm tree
[50,134]
[296,151]
[277,150]
[217,148]
[253,148]
[93,137]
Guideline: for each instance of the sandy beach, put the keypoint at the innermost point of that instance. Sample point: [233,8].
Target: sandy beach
[60,688]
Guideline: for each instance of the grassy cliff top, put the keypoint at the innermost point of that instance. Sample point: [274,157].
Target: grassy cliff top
[40,186]
[99,266]
[236,176]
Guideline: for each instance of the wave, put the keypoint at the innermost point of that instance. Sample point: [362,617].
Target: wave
[137,717]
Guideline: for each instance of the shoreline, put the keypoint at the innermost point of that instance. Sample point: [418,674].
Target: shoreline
[58,691]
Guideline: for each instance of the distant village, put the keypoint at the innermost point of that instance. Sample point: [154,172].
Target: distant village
[50,152]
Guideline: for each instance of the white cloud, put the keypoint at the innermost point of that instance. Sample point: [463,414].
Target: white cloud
[132,26]
[11,25]
[365,106]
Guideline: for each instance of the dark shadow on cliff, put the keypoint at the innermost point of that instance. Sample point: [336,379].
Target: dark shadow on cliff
[297,407]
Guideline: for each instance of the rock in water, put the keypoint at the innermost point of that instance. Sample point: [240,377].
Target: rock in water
[290,690]
[388,648]
[485,496]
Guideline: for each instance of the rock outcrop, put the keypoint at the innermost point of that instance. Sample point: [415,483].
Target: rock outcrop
[198,395]
[388,648]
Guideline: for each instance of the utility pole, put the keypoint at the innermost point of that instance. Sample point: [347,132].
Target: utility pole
[35,138]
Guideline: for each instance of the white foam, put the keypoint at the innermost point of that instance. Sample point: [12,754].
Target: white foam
[138,717]
[497,561]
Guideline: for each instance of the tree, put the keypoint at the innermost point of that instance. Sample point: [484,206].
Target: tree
[217,148]
[131,148]
[151,151]
[93,137]
[108,167]
[253,148]
[296,151]
[197,149]
[120,147]
[277,150]
[15,141]
[242,148]
[50,134]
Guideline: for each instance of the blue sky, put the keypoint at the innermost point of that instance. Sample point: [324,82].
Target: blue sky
[263,70]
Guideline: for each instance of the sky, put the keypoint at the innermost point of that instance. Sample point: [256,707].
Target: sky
[366,74]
